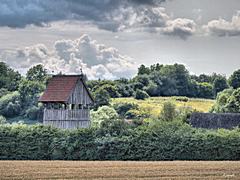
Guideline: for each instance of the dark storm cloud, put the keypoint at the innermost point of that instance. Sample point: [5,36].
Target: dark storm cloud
[111,15]
[19,13]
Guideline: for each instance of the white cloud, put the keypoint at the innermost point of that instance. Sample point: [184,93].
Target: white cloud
[152,19]
[180,27]
[69,56]
[221,27]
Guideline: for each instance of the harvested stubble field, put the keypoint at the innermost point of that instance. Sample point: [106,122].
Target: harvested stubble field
[119,170]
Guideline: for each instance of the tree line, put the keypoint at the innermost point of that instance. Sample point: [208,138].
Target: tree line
[19,94]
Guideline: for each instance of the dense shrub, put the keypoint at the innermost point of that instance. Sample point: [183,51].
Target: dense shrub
[10,105]
[141,94]
[228,101]
[34,113]
[123,108]
[181,98]
[168,112]
[115,140]
[103,113]
[2,119]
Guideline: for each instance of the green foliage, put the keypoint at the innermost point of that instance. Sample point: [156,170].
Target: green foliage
[115,140]
[2,119]
[141,95]
[101,98]
[37,73]
[181,98]
[102,114]
[168,112]
[10,105]
[30,92]
[233,103]
[133,114]
[34,113]
[221,101]
[143,70]
[228,101]
[123,108]
[111,89]
[3,92]
[152,89]
[9,79]
[205,90]
[219,84]
[234,79]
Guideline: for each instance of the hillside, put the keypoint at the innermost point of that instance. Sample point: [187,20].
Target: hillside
[154,105]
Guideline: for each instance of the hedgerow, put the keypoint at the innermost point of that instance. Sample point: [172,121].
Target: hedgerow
[159,141]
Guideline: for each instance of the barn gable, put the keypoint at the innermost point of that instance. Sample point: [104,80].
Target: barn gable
[67,89]
[80,94]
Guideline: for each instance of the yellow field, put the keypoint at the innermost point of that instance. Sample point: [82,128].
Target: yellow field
[119,170]
[153,105]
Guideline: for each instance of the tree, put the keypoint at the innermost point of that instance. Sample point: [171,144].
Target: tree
[101,98]
[112,90]
[178,74]
[205,90]
[233,102]
[143,70]
[37,73]
[141,95]
[152,89]
[221,101]
[2,119]
[234,79]
[228,101]
[30,92]
[10,105]
[102,114]
[168,112]
[219,84]
[143,79]
[9,79]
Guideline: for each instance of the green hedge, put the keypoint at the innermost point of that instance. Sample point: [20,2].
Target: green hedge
[164,141]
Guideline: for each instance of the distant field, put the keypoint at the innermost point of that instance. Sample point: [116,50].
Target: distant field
[119,170]
[154,104]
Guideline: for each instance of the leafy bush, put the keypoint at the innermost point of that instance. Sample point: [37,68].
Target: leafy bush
[228,101]
[2,119]
[205,90]
[34,113]
[168,112]
[123,108]
[101,97]
[10,105]
[3,92]
[182,99]
[102,114]
[132,114]
[141,94]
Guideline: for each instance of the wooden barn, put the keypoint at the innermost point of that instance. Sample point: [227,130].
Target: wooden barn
[66,102]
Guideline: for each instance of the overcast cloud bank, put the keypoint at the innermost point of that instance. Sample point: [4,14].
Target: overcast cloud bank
[70,56]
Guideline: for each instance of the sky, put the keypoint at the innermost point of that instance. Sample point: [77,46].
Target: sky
[109,39]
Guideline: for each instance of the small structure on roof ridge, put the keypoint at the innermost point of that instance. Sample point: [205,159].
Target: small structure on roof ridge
[66,102]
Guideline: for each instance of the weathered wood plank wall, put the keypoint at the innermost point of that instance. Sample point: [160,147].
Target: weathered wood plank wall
[80,95]
[62,114]
[67,119]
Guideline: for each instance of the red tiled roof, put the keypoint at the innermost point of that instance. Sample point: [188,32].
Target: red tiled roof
[59,88]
